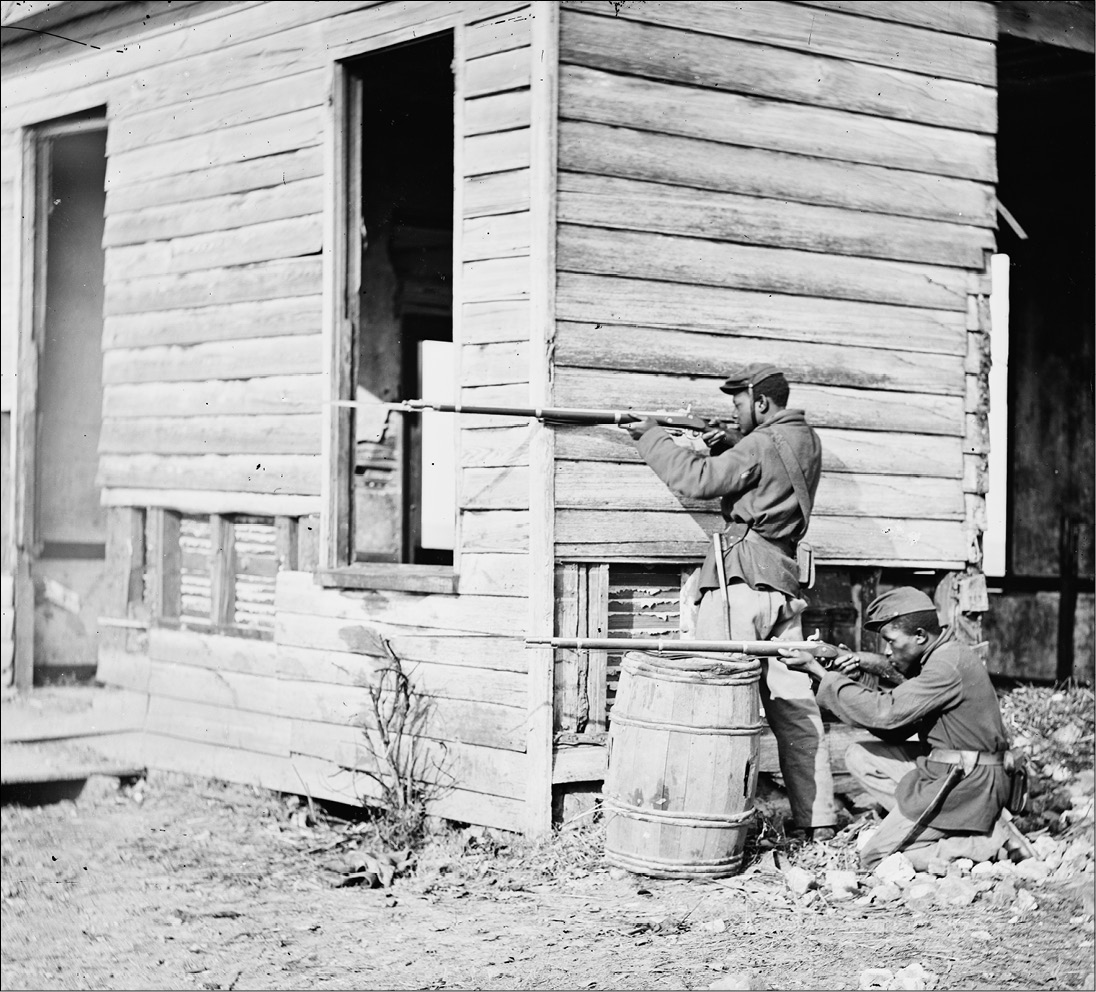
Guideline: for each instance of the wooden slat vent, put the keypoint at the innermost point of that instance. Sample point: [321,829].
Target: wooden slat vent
[256,568]
[195,583]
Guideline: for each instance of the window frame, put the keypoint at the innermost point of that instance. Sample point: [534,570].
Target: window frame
[336,567]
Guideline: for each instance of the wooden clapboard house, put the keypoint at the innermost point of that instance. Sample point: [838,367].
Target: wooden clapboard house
[574,204]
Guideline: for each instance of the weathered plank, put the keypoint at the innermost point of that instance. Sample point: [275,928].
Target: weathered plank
[656,350]
[591,95]
[259,281]
[624,204]
[497,34]
[974,20]
[263,434]
[206,183]
[495,446]
[492,771]
[471,614]
[496,193]
[494,321]
[497,531]
[684,161]
[829,406]
[286,132]
[623,534]
[505,488]
[497,279]
[494,364]
[493,575]
[842,450]
[264,395]
[721,310]
[498,152]
[217,213]
[688,57]
[295,474]
[770,270]
[260,242]
[499,112]
[496,236]
[823,32]
[225,726]
[190,114]
[607,486]
[498,72]
[239,359]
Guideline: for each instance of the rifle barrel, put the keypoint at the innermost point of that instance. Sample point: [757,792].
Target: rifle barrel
[658,645]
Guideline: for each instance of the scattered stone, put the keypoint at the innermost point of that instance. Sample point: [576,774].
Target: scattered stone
[960,867]
[1024,906]
[1033,870]
[1001,896]
[981,935]
[913,976]
[937,867]
[955,891]
[618,873]
[741,980]
[799,880]
[921,895]
[885,893]
[986,869]
[896,869]
[713,926]
[876,978]
[842,884]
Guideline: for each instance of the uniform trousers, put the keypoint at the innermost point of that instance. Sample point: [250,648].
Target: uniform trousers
[789,703]
[878,768]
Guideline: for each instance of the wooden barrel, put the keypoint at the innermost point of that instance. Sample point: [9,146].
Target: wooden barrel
[684,749]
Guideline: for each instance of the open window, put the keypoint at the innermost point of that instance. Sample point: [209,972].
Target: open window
[394,509]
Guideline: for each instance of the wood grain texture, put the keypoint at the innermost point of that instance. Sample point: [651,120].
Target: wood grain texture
[277,474]
[500,33]
[619,300]
[605,98]
[497,72]
[700,164]
[696,261]
[496,193]
[257,434]
[264,395]
[975,20]
[652,51]
[498,112]
[239,359]
[824,32]
[623,204]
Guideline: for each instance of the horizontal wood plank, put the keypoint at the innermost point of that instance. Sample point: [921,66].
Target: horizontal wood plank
[699,164]
[509,69]
[974,20]
[238,359]
[496,193]
[497,152]
[597,251]
[842,450]
[625,534]
[264,395]
[617,300]
[496,446]
[496,236]
[493,575]
[204,501]
[277,474]
[259,281]
[213,651]
[494,321]
[494,364]
[623,204]
[657,350]
[225,726]
[828,406]
[625,101]
[824,32]
[686,56]
[500,33]
[499,112]
[264,434]
[496,279]
[495,531]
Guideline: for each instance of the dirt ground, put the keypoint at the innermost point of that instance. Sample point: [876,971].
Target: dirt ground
[176,883]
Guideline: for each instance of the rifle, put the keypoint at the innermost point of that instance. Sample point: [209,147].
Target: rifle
[560,416]
[658,645]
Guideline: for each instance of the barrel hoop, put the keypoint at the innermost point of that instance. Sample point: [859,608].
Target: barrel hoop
[696,678]
[623,720]
[616,805]
[659,868]
[705,671]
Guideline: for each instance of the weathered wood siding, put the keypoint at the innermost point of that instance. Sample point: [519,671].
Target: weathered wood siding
[810,184]
[213,376]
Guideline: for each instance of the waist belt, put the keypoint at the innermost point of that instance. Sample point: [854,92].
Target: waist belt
[968,759]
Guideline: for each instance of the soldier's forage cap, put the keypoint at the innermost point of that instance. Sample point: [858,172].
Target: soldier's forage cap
[896,603]
[749,376]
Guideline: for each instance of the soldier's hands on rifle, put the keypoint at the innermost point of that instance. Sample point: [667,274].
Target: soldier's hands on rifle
[720,437]
[637,428]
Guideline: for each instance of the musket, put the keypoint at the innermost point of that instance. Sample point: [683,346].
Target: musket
[681,419]
[659,645]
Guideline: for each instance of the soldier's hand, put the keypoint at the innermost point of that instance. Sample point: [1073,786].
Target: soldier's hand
[718,437]
[637,428]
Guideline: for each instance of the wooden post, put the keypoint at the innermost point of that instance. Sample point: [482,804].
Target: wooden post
[164,577]
[285,543]
[222,571]
[1067,595]
[125,564]
[544,96]
[597,625]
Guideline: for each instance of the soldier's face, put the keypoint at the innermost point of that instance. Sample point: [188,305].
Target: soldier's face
[904,650]
[743,412]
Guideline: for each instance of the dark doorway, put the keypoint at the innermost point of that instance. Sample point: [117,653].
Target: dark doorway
[1046,167]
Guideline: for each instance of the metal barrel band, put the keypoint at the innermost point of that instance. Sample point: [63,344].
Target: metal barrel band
[622,720]
[698,677]
[662,868]
[614,805]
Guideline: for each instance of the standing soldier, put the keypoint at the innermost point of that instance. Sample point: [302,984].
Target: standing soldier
[766,482]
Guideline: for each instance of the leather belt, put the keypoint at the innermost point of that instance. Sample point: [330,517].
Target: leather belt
[968,759]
